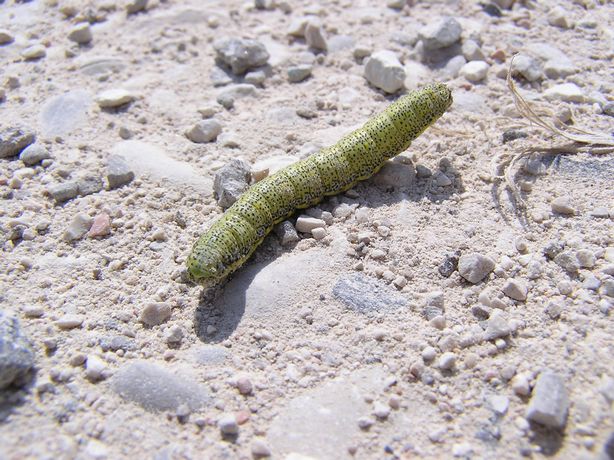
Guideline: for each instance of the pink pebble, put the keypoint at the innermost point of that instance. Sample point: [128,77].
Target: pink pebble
[101,226]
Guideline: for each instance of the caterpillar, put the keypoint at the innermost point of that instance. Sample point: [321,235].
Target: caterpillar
[232,239]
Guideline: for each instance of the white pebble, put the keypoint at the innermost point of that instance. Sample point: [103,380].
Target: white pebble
[516,289]
[447,361]
[95,368]
[562,205]
[114,98]
[475,71]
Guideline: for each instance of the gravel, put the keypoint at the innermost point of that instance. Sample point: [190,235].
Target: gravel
[314,35]
[81,33]
[16,353]
[299,73]
[516,289]
[228,425]
[114,98]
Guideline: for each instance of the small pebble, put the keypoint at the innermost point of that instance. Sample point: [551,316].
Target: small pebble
[318,233]
[260,449]
[95,368]
[447,361]
[81,33]
[6,37]
[429,353]
[228,424]
[34,52]
[204,131]
[136,6]
[497,326]
[314,34]
[79,226]
[305,224]
[299,73]
[364,423]
[516,289]
[475,71]
[562,205]
[118,172]
[34,154]
[155,313]
[69,321]
[113,98]
[101,226]
[566,92]
[244,385]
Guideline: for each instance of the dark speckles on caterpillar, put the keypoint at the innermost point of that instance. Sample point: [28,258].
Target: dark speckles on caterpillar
[232,239]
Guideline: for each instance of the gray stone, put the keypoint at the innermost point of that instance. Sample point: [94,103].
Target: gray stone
[33,154]
[241,54]
[608,109]
[447,361]
[16,354]
[118,172]
[475,267]
[560,17]
[90,185]
[157,388]
[155,313]
[299,73]
[81,33]
[516,289]
[440,34]
[64,114]
[395,174]
[549,402]
[527,67]
[384,71]
[339,43]
[136,6]
[314,35]
[497,326]
[204,131]
[64,191]
[286,233]
[260,449]
[69,321]
[14,140]
[231,181]
[364,294]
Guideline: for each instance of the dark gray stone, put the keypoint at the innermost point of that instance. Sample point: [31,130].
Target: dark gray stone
[241,54]
[364,294]
[230,182]
[157,388]
[16,354]
[14,140]
[286,233]
[118,172]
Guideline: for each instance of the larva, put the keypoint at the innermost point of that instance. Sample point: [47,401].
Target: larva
[232,239]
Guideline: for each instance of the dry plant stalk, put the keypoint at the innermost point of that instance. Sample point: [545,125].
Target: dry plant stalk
[582,140]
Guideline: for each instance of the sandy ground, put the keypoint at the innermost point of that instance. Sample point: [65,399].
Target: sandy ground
[364,343]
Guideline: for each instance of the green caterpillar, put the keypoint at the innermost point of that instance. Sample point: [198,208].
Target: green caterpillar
[232,239]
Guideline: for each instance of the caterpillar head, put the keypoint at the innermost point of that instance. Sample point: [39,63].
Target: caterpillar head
[204,267]
[440,95]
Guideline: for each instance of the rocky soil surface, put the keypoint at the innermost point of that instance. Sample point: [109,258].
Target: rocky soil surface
[418,315]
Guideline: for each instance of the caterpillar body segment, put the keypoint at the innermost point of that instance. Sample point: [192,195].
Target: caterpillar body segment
[232,239]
